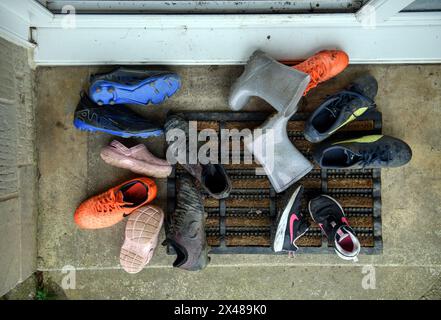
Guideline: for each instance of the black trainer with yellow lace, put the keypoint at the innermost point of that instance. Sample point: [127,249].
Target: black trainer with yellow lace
[374,151]
[342,108]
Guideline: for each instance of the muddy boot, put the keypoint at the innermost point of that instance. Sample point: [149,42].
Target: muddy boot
[211,177]
[279,85]
[187,227]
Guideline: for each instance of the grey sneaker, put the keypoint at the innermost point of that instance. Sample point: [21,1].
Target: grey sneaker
[342,108]
[212,177]
[187,227]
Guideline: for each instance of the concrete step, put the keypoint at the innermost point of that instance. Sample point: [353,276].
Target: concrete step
[71,169]
[283,282]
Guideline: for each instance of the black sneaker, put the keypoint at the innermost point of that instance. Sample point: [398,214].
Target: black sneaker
[374,151]
[342,108]
[186,232]
[212,177]
[291,224]
[329,215]
[118,121]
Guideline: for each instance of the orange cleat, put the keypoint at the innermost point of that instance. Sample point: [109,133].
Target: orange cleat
[323,66]
[106,209]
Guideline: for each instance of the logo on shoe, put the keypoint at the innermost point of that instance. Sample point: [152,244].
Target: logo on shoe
[292,219]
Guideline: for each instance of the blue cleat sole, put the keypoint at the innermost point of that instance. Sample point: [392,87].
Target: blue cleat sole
[81,125]
[155,90]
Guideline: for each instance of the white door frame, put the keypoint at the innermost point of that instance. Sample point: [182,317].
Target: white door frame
[377,33]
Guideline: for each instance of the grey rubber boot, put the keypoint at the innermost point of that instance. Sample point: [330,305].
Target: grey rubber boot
[282,162]
[282,87]
[270,80]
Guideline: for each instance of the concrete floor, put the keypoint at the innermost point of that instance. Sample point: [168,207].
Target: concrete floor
[71,170]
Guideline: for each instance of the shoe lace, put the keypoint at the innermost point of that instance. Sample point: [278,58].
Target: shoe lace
[108,202]
[316,72]
[379,154]
[341,99]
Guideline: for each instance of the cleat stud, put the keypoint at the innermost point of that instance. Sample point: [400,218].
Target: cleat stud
[98,90]
[110,89]
[99,102]
[112,102]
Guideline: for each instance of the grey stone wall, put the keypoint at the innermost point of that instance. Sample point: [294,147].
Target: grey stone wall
[18,169]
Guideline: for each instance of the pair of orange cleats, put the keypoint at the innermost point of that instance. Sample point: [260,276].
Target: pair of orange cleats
[112,206]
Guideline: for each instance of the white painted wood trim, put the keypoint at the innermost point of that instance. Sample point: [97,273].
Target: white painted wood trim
[230,39]
[379,11]
[223,39]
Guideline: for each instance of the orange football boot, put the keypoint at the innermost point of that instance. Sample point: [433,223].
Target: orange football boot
[106,209]
[323,66]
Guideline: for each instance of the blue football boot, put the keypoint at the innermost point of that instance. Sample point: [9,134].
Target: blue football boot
[128,86]
[119,121]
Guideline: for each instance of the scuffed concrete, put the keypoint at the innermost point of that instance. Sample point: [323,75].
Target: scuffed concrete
[409,98]
[280,282]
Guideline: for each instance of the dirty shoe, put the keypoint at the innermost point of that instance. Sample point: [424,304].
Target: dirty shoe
[133,86]
[106,209]
[270,80]
[186,232]
[373,151]
[142,233]
[212,177]
[342,108]
[329,215]
[323,66]
[137,159]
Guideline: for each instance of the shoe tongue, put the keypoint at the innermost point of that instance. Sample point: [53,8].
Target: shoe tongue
[337,231]
[340,235]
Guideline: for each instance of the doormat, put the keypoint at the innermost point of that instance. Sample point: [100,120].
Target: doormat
[244,223]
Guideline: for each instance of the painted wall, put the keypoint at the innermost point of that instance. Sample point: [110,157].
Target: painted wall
[18,169]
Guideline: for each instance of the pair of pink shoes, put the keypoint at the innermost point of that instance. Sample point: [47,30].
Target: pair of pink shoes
[144,224]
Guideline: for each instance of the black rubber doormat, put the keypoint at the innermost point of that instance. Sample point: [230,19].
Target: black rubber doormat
[244,223]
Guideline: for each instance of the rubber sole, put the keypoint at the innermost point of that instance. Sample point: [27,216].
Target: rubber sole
[81,125]
[141,238]
[153,90]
